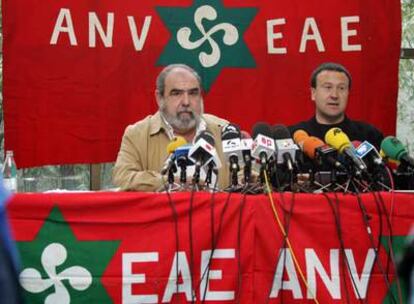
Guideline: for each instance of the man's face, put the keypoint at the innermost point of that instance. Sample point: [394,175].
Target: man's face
[182,102]
[330,96]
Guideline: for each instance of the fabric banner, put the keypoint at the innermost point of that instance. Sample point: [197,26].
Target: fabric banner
[131,247]
[76,73]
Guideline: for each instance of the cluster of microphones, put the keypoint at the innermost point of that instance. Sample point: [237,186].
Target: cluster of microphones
[272,157]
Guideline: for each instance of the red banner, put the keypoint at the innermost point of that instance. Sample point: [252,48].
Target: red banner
[77,72]
[131,247]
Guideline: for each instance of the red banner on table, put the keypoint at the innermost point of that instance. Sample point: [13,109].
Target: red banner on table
[77,72]
[132,247]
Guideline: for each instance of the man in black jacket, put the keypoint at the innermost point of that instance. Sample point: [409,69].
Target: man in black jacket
[330,86]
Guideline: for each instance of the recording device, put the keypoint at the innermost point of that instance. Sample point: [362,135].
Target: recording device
[299,136]
[231,141]
[322,153]
[395,150]
[204,154]
[203,149]
[182,160]
[285,147]
[336,138]
[315,149]
[169,164]
[369,154]
[246,147]
[263,147]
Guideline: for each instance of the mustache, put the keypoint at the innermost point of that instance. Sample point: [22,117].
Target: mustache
[187,111]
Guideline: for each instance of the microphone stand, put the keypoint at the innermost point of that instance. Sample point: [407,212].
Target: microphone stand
[196,176]
[171,172]
[247,170]
[234,168]
[182,163]
[209,174]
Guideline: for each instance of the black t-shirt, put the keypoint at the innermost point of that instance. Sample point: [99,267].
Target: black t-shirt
[356,130]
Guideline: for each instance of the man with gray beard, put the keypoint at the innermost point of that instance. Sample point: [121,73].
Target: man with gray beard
[181,113]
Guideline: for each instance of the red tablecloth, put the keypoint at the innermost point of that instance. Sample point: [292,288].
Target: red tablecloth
[129,247]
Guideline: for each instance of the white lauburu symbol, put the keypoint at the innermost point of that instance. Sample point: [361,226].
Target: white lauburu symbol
[54,255]
[230,37]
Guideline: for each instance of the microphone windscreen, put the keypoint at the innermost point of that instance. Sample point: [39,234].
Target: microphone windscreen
[175,143]
[299,136]
[336,138]
[310,145]
[245,135]
[356,143]
[207,136]
[230,131]
[280,132]
[393,148]
[261,128]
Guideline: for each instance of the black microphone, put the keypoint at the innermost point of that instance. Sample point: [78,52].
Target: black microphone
[340,141]
[246,147]
[263,146]
[286,149]
[171,147]
[231,141]
[203,153]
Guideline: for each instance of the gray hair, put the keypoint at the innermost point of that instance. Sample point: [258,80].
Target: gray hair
[160,82]
[329,66]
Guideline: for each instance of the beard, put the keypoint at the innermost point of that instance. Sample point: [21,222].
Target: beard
[184,120]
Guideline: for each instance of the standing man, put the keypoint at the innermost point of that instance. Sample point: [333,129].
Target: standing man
[180,113]
[330,86]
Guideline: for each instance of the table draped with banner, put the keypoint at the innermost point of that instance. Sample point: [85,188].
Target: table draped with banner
[107,247]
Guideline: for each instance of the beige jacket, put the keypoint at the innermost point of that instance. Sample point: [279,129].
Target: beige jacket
[143,153]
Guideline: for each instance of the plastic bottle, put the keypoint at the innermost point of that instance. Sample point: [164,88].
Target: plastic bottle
[10,172]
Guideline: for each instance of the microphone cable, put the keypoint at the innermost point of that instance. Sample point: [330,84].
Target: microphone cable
[337,217]
[269,193]
[365,218]
[190,234]
[238,251]
[177,241]
[390,253]
[287,215]
[214,238]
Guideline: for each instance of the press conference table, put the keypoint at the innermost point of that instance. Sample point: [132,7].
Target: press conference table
[124,247]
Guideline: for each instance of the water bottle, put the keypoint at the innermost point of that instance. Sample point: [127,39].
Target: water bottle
[10,172]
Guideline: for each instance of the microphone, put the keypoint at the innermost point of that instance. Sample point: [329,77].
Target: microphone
[369,154]
[203,149]
[336,138]
[285,147]
[395,150]
[181,156]
[246,147]
[231,141]
[317,150]
[263,146]
[171,147]
[203,153]
[299,136]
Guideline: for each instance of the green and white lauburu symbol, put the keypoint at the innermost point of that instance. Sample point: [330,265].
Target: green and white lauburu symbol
[230,37]
[54,255]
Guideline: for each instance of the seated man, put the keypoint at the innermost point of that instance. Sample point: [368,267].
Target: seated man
[330,85]
[181,113]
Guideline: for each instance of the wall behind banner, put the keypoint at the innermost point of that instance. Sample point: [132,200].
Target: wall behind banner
[77,177]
